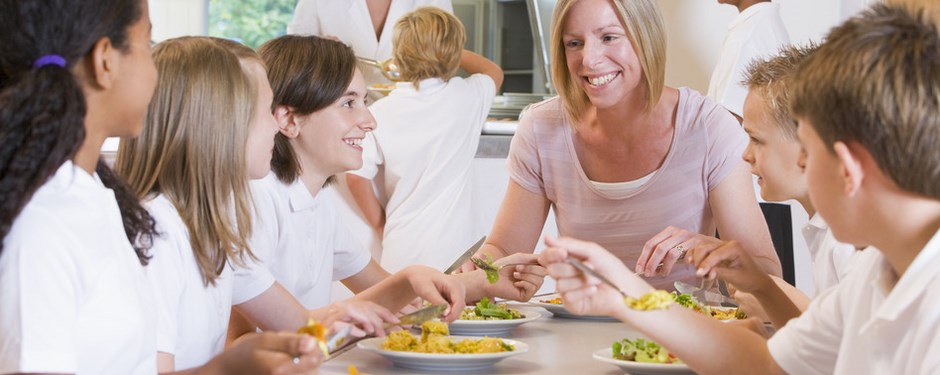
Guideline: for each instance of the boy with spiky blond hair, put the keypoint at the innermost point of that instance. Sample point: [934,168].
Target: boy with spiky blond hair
[775,157]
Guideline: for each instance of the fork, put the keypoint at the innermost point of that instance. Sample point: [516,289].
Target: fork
[483,265]
[577,264]
[703,286]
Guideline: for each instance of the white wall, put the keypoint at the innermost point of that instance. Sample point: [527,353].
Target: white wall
[173,18]
[696,29]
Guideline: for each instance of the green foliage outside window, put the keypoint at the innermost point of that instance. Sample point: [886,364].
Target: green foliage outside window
[251,22]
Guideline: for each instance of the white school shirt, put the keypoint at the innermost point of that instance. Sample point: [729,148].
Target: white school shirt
[871,323]
[425,142]
[300,240]
[73,295]
[757,32]
[193,318]
[831,258]
[349,20]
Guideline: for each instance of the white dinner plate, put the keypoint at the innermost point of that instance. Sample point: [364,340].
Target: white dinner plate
[641,368]
[497,328]
[561,312]
[442,363]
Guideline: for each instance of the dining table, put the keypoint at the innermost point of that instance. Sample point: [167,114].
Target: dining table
[556,346]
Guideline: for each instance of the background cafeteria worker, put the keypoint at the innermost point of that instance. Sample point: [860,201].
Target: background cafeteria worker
[365,25]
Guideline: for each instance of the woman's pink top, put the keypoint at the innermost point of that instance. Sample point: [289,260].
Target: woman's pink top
[707,144]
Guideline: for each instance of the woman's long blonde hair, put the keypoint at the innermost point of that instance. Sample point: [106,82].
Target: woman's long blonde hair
[646,31]
[192,149]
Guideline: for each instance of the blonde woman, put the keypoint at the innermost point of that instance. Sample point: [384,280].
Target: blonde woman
[619,156]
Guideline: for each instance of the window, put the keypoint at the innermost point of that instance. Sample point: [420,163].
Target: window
[251,22]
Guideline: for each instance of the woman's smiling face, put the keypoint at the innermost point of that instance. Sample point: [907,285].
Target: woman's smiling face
[599,55]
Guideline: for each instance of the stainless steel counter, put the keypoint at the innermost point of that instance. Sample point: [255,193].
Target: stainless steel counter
[495,146]
[556,346]
[494,142]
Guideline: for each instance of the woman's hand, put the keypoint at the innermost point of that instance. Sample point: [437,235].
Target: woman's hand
[269,353]
[486,251]
[518,282]
[581,293]
[667,248]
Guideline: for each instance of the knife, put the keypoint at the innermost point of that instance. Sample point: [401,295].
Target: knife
[420,316]
[465,256]
[710,296]
[337,344]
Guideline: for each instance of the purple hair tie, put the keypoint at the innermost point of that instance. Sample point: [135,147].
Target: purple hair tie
[49,59]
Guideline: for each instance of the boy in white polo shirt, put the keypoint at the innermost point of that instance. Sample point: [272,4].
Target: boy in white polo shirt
[756,32]
[869,120]
[776,160]
[427,135]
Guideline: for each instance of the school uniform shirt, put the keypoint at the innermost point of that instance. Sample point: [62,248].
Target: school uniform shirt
[193,318]
[425,142]
[871,323]
[350,21]
[73,295]
[757,32]
[831,258]
[298,238]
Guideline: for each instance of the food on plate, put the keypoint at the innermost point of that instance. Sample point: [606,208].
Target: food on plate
[553,301]
[433,328]
[641,350]
[491,270]
[727,313]
[486,310]
[354,371]
[716,312]
[655,300]
[434,339]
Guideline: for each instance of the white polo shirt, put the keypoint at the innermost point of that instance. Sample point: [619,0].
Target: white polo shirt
[757,32]
[871,323]
[831,258]
[424,146]
[300,240]
[73,295]
[193,318]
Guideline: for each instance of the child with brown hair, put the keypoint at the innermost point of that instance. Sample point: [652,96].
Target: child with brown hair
[429,129]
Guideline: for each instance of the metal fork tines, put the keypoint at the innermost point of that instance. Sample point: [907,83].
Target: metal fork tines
[703,286]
